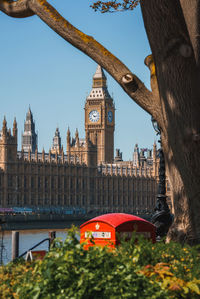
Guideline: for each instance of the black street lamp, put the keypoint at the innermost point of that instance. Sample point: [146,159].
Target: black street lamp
[161,218]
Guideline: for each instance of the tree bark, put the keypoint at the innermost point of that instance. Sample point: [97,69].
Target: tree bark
[16,9]
[175,52]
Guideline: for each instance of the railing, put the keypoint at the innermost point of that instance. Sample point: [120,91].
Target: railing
[15,244]
[35,246]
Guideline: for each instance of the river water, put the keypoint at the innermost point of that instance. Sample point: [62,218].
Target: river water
[27,239]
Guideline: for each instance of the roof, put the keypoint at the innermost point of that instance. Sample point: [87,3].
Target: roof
[99,92]
[99,73]
[115,219]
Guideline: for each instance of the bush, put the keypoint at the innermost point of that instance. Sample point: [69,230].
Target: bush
[133,270]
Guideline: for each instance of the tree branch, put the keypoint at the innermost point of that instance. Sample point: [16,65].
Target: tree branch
[16,9]
[87,44]
[149,62]
[115,5]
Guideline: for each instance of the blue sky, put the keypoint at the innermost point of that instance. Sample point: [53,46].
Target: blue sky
[40,69]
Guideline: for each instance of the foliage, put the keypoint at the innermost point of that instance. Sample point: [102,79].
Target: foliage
[133,270]
[14,275]
[112,6]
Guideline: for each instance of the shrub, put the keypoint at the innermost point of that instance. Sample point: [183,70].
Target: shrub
[133,270]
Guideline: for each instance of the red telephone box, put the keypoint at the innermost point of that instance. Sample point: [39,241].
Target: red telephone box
[106,228]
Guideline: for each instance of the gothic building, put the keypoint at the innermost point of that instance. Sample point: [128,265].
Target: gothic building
[57,143]
[87,175]
[29,137]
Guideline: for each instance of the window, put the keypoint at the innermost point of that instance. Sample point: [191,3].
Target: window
[18,200]
[83,182]
[32,183]
[18,182]
[77,184]
[71,183]
[25,182]
[83,200]
[52,183]
[32,200]
[46,183]
[59,183]
[92,182]
[65,199]
[9,199]
[10,182]
[59,199]
[39,182]
[65,184]
[25,199]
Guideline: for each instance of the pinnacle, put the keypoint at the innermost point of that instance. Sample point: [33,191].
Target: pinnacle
[4,120]
[15,123]
[99,73]
[4,124]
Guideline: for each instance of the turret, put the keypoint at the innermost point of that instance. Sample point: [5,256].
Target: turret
[118,156]
[8,146]
[49,155]
[29,137]
[77,138]
[62,155]
[43,155]
[68,145]
[4,128]
[56,142]
[15,128]
[136,156]
[36,154]
[68,138]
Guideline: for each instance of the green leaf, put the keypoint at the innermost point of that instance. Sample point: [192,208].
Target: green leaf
[193,287]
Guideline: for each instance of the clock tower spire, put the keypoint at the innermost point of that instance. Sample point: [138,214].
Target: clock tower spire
[100,117]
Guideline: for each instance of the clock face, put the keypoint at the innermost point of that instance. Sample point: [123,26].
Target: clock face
[94,116]
[110,116]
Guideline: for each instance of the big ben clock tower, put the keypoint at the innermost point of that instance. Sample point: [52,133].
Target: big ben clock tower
[100,117]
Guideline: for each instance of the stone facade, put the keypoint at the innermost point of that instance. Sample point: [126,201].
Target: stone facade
[47,179]
[87,175]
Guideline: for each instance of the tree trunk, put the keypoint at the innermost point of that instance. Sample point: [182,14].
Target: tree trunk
[172,41]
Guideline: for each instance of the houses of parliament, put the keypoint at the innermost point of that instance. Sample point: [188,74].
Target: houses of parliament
[87,175]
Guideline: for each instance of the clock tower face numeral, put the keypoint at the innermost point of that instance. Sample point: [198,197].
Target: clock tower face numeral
[110,116]
[94,116]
